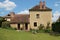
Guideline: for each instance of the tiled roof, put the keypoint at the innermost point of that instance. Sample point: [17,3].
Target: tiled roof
[37,8]
[20,18]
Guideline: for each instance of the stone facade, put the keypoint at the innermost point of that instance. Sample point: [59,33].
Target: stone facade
[44,18]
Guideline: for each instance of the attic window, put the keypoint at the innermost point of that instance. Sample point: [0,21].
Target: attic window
[37,15]
[8,14]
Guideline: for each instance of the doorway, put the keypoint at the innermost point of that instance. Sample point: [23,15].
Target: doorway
[26,26]
[18,26]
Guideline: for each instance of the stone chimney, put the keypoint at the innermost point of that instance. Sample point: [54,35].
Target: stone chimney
[12,14]
[44,5]
[41,4]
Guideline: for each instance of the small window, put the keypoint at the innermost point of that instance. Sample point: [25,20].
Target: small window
[37,15]
[35,24]
[8,15]
[8,19]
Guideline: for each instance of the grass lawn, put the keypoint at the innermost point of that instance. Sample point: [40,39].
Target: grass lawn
[6,34]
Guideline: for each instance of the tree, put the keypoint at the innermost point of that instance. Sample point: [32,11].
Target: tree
[1,20]
[56,27]
[5,24]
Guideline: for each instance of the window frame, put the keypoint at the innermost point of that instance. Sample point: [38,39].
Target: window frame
[37,15]
[35,24]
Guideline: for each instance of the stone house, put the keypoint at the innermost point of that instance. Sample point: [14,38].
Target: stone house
[39,14]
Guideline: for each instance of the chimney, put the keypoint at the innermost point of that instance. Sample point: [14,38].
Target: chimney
[44,5]
[41,4]
[12,14]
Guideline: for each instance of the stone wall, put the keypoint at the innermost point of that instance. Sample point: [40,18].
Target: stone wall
[44,18]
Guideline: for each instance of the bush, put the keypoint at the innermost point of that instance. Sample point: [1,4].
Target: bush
[5,24]
[54,33]
[41,27]
[34,31]
[47,30]
[56,27]
[1,20]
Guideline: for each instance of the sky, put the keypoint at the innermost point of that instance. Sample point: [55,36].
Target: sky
[23,6]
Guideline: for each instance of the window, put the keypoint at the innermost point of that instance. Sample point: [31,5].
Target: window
[37,15]
[35,24]
[8,19]
[8,15]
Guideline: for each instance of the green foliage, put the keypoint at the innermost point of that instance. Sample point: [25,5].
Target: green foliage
[47,28]
[5,24]
[54,33]
[1,20]
[34,31]
[56,27]
[41,30]
[41,27]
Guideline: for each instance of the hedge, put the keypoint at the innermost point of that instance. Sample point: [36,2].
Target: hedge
[56,27]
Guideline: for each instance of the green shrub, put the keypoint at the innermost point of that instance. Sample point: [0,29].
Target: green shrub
[54,33]
[5,24]
[47,29]
[1,20]
[56,27]
[41,27]
[34,31]
[41,31]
